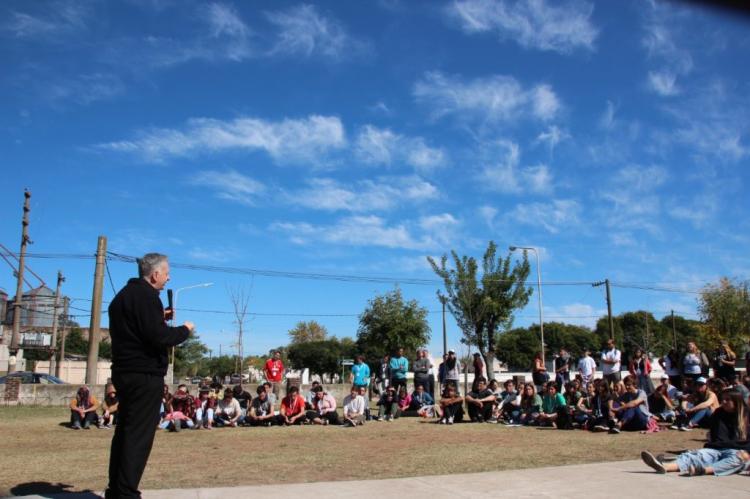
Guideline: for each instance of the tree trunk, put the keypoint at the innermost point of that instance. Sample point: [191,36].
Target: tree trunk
[489,360]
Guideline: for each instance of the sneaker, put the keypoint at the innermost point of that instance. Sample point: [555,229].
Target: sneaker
[600,428]
[685,428]
[442,421]
[674,427]
[666,458]
[86,426]
[76,426]
[614,430]
[450,420]
[389,419]
[379,418]
[491,421]
[651,461]
[107,426]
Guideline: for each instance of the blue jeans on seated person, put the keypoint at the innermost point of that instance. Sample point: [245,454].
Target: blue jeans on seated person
[77,421]
[633,419]
[700,418]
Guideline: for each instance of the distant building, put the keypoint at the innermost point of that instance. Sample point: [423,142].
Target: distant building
[37,308]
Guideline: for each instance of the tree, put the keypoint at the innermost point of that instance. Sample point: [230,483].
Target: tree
[389,323]
[189,356]
[307,331]
[725,309]
[684,330]
[219,366]
[483,305]
[240,300]
[320,357]
[517,347]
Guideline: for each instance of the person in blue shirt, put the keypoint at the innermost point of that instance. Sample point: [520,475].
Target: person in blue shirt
[360,376]
[420,398]
[399,367]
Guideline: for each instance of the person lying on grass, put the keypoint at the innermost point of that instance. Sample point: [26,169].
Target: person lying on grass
[727,451]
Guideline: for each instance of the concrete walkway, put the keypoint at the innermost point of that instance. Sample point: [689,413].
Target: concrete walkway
[605,480]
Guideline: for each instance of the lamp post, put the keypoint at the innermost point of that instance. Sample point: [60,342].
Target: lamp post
[539,290]
[174,313]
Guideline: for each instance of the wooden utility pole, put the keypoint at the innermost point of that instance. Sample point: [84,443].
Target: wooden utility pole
[18,303]
[609,307]
[61,358]
[53,359]
[443,299]
[92,365]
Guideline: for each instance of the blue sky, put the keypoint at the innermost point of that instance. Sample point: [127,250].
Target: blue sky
[357,138]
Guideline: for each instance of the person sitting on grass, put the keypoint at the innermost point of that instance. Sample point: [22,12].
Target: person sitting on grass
[179,411]
[109,408]
[631,412]
[584,409]
[83,409]
[696,410]
[293,408]
[261,410]
[601,417]
[388,405]
[310,397]
[508,404]
[727,450]
[324,409]
[552,403]
[451,406]
[354,408]
[204,409]
[404,399]
[165,396]
[531,405]
[420,399]
[228,412]
[660,403]
[363,393]
[480,402]
[243,397]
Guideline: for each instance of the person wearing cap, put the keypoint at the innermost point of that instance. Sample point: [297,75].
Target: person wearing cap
[696,410]
[83,409]
[109,408]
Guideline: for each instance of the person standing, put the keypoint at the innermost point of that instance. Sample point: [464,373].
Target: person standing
[399,367]
[587,367]
[452,371]
[140,340]
[422,368]
[360,375]
[611,358]
[274,372]
[562,369]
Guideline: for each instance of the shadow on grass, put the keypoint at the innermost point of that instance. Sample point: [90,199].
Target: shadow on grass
[46,489]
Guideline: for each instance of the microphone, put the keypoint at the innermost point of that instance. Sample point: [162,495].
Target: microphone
[170,306]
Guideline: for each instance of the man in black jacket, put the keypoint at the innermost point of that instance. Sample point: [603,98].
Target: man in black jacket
[140,342]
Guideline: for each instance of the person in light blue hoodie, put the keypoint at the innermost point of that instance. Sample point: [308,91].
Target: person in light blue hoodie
[399,367]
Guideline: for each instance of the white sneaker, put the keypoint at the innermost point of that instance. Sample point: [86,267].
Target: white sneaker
[450,420]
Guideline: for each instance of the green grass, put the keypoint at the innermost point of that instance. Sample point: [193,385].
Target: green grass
[35,447]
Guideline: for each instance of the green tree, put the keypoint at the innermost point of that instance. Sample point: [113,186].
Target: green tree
[320,357]
[189,356]
[725,309]
[483,305]
[219,366]
[684,330]
[389,323]
[638,329]
[307,331]
[517,347]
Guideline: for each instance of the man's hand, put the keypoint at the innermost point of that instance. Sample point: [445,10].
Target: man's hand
[168,314]
[189,325]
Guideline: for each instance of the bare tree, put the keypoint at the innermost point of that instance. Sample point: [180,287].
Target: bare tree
[240,300]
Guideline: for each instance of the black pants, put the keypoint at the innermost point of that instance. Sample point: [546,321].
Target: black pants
[455,411]
[140,399]
[480,413]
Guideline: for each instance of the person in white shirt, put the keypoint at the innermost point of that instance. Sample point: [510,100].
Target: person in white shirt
[587,368]
[228,412]
[354,408]
[611,363]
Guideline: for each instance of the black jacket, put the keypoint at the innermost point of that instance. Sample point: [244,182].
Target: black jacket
[140,336]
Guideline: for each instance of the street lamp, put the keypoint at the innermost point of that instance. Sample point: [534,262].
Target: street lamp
[539,288]
[174,309]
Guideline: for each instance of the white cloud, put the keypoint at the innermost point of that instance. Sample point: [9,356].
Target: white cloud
[640,178]
[633,203]
[552,136]
[429,232]
[607,119]
[61,18]
[380,194]
[497,98]
[553,217]
[488,214]
[532,24]
[302,30]
[698,210]
[83,89]
[582,314]
[225,23]
[507,176]
[290,140]
[663,83]
[211,255]
[230,185]
[383,146]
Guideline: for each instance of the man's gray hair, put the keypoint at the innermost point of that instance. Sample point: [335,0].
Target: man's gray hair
[149,263]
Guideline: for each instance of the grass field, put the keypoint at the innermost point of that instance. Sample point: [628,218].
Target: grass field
[35,448]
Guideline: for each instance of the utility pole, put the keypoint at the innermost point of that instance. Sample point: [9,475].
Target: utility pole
[92,365]
[674,332]
[61,358]
[609,307]
[443,299]
[53,360]
[18,304]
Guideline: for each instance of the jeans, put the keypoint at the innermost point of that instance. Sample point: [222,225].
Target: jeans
[85,421]
[699,418]
[388,409]
[633,419]
[204,418]
[723,461]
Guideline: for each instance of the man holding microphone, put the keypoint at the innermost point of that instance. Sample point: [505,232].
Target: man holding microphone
[140,342]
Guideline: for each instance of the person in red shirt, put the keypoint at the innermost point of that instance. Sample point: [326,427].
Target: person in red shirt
[274,372]
[293,407]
